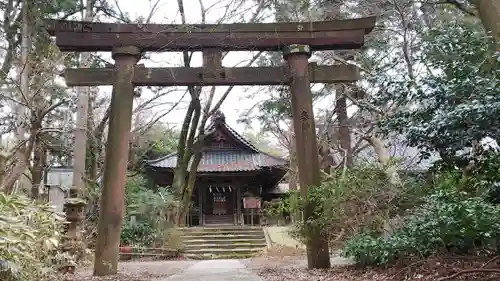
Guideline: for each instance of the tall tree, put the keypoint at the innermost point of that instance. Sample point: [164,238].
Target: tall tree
[489,13]
[21,154]
[456,92]
[30,98]
[82,106]
[192,135]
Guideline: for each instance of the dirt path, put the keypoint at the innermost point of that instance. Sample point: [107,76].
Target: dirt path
[207,270]
[216,270]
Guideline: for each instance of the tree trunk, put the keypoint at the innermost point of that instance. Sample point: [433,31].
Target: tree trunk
[188,190]
[91,142]
[80,146]
[135,139]
[97,147]
[384,159]
[22,161]
[489,13]
[10,28]
[186,139]
[183,153]
[292,151]
[194,153]
[23,152]
[344,129]
[38,168]
[293,170]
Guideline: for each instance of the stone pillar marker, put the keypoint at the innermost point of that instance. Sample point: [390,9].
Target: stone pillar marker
[297,57]
[115,168]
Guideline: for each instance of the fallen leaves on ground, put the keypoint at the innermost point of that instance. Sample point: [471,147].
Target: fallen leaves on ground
[144,270]
[284,251]
[139,276]
[433,269]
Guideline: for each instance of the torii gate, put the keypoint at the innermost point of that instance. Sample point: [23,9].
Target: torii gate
[127,42]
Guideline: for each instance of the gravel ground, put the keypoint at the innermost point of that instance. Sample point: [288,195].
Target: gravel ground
[266,262]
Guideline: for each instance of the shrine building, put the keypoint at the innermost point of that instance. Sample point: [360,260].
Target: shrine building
[233,179]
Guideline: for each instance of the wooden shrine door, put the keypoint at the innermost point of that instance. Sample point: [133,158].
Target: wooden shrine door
[220,203]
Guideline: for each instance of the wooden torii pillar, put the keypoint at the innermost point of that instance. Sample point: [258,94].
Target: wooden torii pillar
[297,40]
[116,160]
[306,145]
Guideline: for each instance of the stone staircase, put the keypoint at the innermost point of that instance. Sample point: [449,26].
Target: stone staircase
[219,220]
[223,242]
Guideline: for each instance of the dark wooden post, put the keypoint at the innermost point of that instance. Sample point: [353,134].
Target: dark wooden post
[113,190]
[297,57]
[235,204]
[201,188]
[238,205]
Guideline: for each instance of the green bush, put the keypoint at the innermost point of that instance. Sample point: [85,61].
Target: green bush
[485,178]
[137,234]
[149,207]
[448,221]
[345,202]
[29,237]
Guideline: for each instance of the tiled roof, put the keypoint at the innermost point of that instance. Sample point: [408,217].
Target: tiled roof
[213,126]
[225,161]
[247,158]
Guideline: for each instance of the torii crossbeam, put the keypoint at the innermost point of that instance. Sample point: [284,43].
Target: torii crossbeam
[195,76]
[321,35]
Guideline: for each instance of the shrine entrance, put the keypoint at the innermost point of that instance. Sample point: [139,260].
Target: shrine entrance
[128,42]
[220,207]
[221,203]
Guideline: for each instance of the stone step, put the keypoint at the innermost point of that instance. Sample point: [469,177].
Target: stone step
[223,251]
[218,228]
[224,237]
[219,256]
[219,242]
[212,247]
[223,233]
[202,241]
[228,220]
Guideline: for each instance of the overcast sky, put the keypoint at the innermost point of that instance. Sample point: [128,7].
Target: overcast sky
[167,12]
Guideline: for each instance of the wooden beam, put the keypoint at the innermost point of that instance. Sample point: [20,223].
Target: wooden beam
[54,26]
[185,76]
[229,41]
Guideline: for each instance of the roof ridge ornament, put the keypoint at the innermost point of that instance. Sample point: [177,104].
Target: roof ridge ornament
[218,117]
